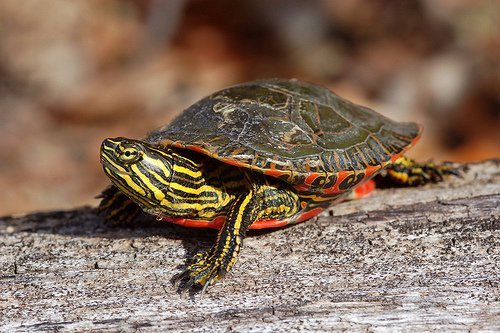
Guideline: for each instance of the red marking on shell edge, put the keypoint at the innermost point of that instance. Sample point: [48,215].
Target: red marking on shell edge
[310,178]
[364,189]
[196,148]
[176,144]
[232,162]
[370,170]
[274,172]
[335,188]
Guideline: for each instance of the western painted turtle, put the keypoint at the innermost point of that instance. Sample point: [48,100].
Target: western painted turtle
[256,155]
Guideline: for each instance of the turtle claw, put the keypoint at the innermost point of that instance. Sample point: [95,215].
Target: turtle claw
[183,283]
[206,286]
[449,168]
[205,269]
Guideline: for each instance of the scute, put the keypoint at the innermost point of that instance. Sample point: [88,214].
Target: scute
[290,126]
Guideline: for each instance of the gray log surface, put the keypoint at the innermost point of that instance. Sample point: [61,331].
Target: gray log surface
[409,259]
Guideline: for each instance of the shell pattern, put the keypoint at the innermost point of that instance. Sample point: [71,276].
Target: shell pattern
[299,132]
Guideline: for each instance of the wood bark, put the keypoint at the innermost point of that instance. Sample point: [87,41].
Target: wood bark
[406,259]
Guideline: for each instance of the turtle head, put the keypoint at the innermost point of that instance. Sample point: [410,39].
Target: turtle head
[140,170]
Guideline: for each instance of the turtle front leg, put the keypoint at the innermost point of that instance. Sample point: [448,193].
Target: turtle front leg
[405,171]
[214,264]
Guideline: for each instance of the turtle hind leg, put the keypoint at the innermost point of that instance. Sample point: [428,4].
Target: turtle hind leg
[406,172]
[116,207]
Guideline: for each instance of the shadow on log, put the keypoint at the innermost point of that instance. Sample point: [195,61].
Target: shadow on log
[407,259]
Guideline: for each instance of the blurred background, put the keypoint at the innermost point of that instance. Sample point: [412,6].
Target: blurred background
[75,72]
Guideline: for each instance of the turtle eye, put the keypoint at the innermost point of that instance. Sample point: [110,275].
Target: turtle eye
[130,155]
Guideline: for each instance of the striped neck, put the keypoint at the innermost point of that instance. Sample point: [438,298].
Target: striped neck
[161,181]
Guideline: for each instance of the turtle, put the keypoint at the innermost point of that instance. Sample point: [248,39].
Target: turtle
[261,154]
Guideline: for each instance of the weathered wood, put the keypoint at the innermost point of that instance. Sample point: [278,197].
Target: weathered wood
[402,259]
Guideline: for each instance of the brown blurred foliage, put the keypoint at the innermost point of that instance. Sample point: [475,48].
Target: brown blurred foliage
[75,72]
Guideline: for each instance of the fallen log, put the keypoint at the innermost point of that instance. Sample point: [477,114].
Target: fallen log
[407,259]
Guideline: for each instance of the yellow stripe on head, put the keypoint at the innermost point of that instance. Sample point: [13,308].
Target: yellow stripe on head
[147,181]
[187,171]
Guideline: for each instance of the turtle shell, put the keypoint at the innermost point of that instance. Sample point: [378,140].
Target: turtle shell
[297,131]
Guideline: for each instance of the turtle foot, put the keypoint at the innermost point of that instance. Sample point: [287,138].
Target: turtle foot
[206,268]
[407,172]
